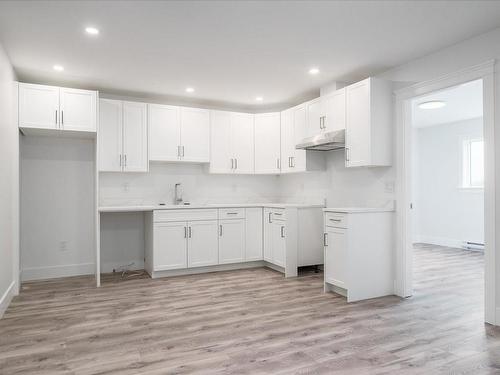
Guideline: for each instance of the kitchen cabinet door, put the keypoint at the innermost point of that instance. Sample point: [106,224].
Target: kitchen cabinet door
[220,142]
[203,243]
[170,246]
[334,111]
[313,109]
[38,106]
[78,109]
[278,243]
[287,140]
[195,135]
[268,235]
[135,137]
[110,138]
[242,130]
[253,234]
[358,124]
[336,257]
[231,241]
[298,162]
[164,132]
[267,143]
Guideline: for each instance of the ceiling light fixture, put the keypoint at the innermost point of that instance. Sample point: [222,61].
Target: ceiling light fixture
[259,98]
[92,30]
[313,71]
[58,68]
[432,104]
[189,89]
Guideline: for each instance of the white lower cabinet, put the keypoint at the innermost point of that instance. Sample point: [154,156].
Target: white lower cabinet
[358,254]
[170,246]
[253,234]
[278,243]
[202,243]
[231,241]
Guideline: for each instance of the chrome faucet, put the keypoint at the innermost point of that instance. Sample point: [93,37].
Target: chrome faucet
[178,193]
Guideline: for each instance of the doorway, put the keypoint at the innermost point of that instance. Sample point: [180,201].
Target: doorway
[404,157]
[447,197]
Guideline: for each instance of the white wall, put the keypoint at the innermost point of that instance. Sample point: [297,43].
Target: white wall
[9,182]
[444,213]
[57,207]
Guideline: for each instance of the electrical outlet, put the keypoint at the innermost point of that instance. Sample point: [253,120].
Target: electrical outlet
[389,187]
[63,245]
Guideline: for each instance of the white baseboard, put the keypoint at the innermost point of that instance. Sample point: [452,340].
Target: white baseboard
[6,298]
[107,267]
[440,241]
[215,268]
[52,272]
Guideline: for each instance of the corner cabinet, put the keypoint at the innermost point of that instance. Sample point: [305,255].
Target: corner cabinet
[231,142]
[123,136]
[178,134]
[368,123]
[57,108]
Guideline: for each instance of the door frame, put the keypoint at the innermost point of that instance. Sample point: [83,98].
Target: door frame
[403,257]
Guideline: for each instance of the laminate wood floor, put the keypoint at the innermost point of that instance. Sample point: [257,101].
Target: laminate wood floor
[253,322]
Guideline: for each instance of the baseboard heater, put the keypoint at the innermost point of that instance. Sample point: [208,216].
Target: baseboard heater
[469,245]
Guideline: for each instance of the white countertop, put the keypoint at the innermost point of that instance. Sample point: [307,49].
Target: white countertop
[140,208]
[350,210]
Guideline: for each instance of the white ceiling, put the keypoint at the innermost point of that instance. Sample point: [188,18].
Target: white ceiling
[229,51]
[463,102]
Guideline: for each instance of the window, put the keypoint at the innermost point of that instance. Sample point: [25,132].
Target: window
[473,164]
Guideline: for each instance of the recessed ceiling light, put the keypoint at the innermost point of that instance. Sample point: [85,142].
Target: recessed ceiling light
[433,104]
[92,30]
[58,68]
[313,71]
[259,98]
[189,89]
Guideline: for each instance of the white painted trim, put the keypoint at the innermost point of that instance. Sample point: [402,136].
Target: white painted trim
[403,259]
[215,268]
[7,298]
[52,272]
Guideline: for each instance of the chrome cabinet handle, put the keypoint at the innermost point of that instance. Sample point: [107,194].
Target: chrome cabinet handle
[292,159]
[189,232]
[232,163]
[282,231]
[185,232]
[278,163]
[182,151]
[270,220]
[231,213]
[62,117]
[220,230]
[347,156]
[235,163]
[56,117]
[325,239]
[125,160]
[120,160]
[336,220]
[178,151]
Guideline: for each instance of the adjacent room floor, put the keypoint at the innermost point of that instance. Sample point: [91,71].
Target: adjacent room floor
[251,322]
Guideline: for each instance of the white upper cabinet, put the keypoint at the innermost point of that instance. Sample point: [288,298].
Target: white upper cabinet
[38,106]
[195,135]
[135,137]
[179,134]
[221,157]
[313,114]
[333,111]
[232,142]
[78,109]
[123,136]
[165,132]
[368,123]
[110,135]
[242,129]
[267,143]
[57,108]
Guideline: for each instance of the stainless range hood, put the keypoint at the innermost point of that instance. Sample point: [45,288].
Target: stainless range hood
[324,142]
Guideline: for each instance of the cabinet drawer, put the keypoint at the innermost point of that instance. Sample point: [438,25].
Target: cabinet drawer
[336,220]
[278,214]
[231,213]
[161,216]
